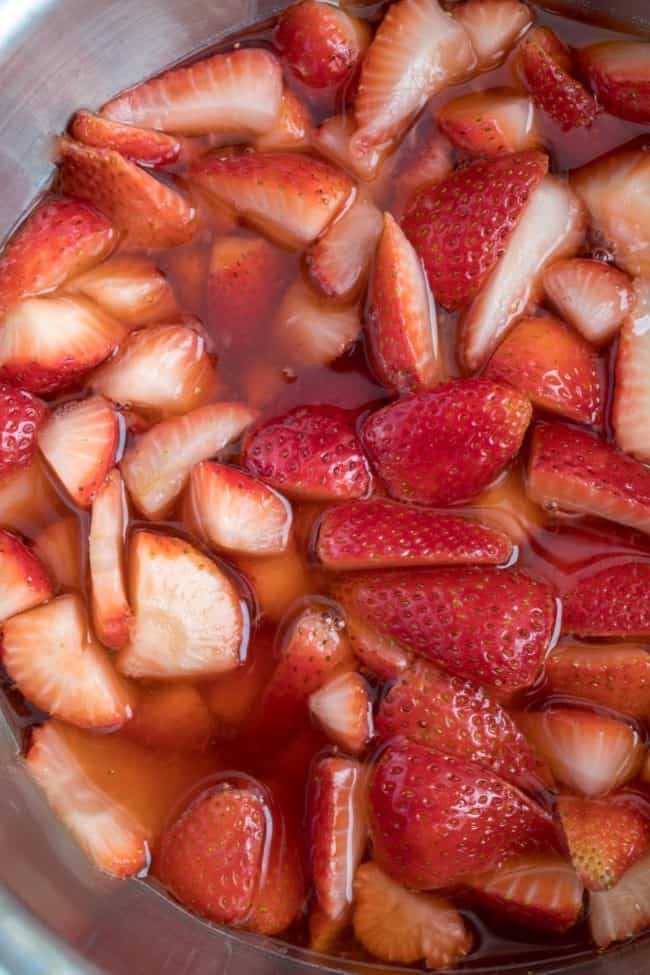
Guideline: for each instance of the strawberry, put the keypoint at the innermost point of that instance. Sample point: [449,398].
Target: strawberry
[314,331]
[21,416]
[188,617]
[419,166]
[616,676]
[49,653]
[144,146]
[288,196]
[59,239]
[492,626]
[173,717]
[24,580]
[80,442]
[552,365]
[59,548]
[131,289]
[321,44]
[631,407]
[574,470]
[378,653]
[448,444]
[592,296]
[28,501]
[611,602]
[494,27]
[292,128]
[618,73]
[404,927]
[233,511]
[334,139]
[343,709]
[234,94]
[146,212]
[311,452]
[401,324]
[338,263]
[386,534]
[108,521]
[493,122]
[620,913]
[435,820]
[157,466]
[111,837]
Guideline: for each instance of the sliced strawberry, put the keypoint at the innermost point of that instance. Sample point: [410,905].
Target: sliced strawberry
[24,581]
[28,501]
[58,666]
[292,128]
[386,534]
[442,222]
[189,620]
[111,837]
[47,344]
[492,122]
[59,547]
[290,197]
[110,607]
[314,331]
[404,927]
[488,625]
[377,652]
[157,466]
[339,261]
[552,365]
[618,73]
[612,602]
[435,820]
[310,452]
[448,444]
[233,511]
[21,416]
[620,913]
[334,140]
[144,146]
[173,717]
[343,709]
[592,296]
[419,167]
[616,676]
[321,44]
[80,442]
[131,289]
[494,27]
[631,407]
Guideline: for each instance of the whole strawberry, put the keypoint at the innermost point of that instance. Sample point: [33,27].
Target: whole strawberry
[21,415]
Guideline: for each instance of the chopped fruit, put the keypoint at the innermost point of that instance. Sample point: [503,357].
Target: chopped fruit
[146,212]
[111,837]
[288,196]
[338,262]
[401,324]
[435,820]
[110,608]
[419,167]
[401,926]
[605,836]
[321,44]
[292,128]
[616,676]
[174,717]
[506,506]
[448,444]
[311,452]
[612,602]
[80,442]
[314,331]
[592,296]
[232,698]
[386,534]
[618,73]
[588,752]
[343,709]
[493,122]
[24,581]
[59,548]
[59,239]
[492,626]
[144,146]
[620,913]
[157,466]
[235,94]
[28,501]
[552,365]
[333,139]
[189,620]
[494,27]
[49,653]
[21,416]
[631,407]
[276,583]
[378,653]
[131,289]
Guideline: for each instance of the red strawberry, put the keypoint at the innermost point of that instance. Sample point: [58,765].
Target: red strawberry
[131,289]
[618,73]
[492,122]
[145,146]
[21,416]
[292,128]
[620,913]
[386,534]
[173,717]
[59,548]
[310,452]
[616,676]
[492,626]
[314,331]
[59,239]
[401,323]
[592,296]
[234,94]
[435,820]
[321,44]
[494,26]
[24,581]
[342,708]
[339,262]
[334,140]
[446,445]
[108,522]
[631,407]
[612,602]
[378,653]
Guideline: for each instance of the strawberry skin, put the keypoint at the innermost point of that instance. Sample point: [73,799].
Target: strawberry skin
[145,146]
[321,44]
[616,676]
[446,445]
[618,73]
[545,74]
[490,123]
[611,602]
[21,416]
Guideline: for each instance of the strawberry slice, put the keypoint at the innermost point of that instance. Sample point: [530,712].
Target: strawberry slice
[401,323]
[612,602]
[288,196]
[631,407]
[131,289]
[339,262]
[311,452]
[59,548]
[616,676]
[378,653]
[292,128]
[28,501]
[492,626]
[552,365]
[404,927]
[334,140]
[343,709]
[110,608]
[592,296]
[314,331]
[418,167]
[321,44]
[490,123]
[21,416]
[620,913]
[189,619]
[618,73]
[80,442]
[386,534]
[111,837]
[59,239]
[543,69]
[24,581]
[435,820]
[157,466]
[448,444]
[144,146]
[58,666]
[171,717]
[494,27]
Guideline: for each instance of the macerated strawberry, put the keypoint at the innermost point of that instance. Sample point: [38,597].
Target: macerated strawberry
[614,675]
[631,407]
[24,581]
[292,128]
[623,911]
[611,602]
[343,709]
[417,167]
[173,717]
[377,652]
[618,73]
[592,296]
[21,416]
[312,330]
[334,139]
[494,27]
[131,289]
[338,263]
[144,146]
[321,44]
[492,122]
[446,445]
[28,501]
[108,521]
[58,666]
[59,547]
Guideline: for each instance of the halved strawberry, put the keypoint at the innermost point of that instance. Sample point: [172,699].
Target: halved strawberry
[404,927]
[188,617]
[343,709]
[80,442]
[623,911]
[339,261]
[588,752]
[618,73]
[24,581]
[386,534]
[321,44]
[494,27]
[492,122]
[156,467]
[290,197]
[592,296]
[110,608]
[334,139]
[292,128]
[377,652]
[58,666]
[310,452]
[144,146]
[631,407]
[611,602]
[111,837]
[28,501]
[47,344]
[21,416]
[131,289]
[615,675]
[419,166]
[446,445]
[314,331]
[173,717]
[59,547]
[60,238]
